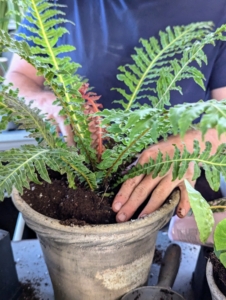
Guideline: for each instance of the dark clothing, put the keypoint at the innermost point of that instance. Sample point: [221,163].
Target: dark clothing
[107,31]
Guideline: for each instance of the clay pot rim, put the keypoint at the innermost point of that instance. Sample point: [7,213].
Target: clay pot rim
[216,293]
[28,212]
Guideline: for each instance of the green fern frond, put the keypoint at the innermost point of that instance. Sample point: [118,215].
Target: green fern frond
[132,131]
[156,54]
[179,70]
[73,164]
[212,164]
[23,165]
[159,124]
[213,116]
[58,72]
[20,168]
[29,118]
[145,132]
[41,13]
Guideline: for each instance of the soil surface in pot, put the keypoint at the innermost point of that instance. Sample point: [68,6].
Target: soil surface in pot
[71,207]
[219,273]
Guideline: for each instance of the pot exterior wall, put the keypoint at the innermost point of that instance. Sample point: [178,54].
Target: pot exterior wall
[101,271]
[96,262]
[215,292]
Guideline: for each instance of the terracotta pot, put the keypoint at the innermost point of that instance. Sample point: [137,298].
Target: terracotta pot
[215,292]
[97,262]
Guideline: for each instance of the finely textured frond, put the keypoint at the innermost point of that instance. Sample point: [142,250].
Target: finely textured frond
[29,118]
[135,130]
[212,164]
[155,64]
[213,116]
[91,108]
[156,54]
[73,164]
[23,165]
[59,72]
[137,124]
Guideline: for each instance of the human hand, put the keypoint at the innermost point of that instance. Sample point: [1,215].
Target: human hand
[135,191]
[44,101]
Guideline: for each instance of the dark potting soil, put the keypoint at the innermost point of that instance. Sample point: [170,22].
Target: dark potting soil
[219,273]
[28,292]
[157,259]
[70,206]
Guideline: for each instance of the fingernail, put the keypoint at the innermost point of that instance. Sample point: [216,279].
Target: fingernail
[121,217]
[117,206]
[142,216]
[181,212]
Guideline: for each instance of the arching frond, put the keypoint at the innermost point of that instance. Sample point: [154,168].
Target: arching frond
[59,72]
[22,166]
[212,164]
[213,114]
[155,65]
[14,109]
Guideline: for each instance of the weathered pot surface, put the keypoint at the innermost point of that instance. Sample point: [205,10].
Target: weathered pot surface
[215,292]
[97,262]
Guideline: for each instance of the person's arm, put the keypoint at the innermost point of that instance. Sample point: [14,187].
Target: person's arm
[134,191]
[219,94]
[23,76]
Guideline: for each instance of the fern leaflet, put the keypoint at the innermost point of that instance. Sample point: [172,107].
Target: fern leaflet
[212,164]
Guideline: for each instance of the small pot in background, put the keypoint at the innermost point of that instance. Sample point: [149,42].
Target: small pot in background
[215,292]
[10,287]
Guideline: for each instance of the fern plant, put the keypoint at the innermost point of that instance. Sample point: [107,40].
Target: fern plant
[120,133]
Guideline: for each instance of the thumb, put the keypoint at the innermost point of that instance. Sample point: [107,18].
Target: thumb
[184,204]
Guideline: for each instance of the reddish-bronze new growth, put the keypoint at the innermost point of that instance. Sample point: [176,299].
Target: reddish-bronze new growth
[92,107]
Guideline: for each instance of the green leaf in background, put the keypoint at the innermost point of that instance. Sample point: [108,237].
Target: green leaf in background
[4,19]
[220,236]
[223,258]
[202,212]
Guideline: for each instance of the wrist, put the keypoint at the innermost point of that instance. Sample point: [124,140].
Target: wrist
[192,135]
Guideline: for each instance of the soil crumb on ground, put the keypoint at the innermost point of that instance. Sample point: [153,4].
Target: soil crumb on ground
[28,291]
[157,257]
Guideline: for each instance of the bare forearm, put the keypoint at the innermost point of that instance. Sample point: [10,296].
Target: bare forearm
[28,88]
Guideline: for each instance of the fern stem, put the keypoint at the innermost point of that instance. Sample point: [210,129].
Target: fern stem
[79,136]
[3,181]
[148,69]
[217,108]
[78,171]
[198,160]
[218,206]
[123,152]
[75,124]
[30,116]
[177,75]
[54,62]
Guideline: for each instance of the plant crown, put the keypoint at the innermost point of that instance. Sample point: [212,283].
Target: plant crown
[122,133]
